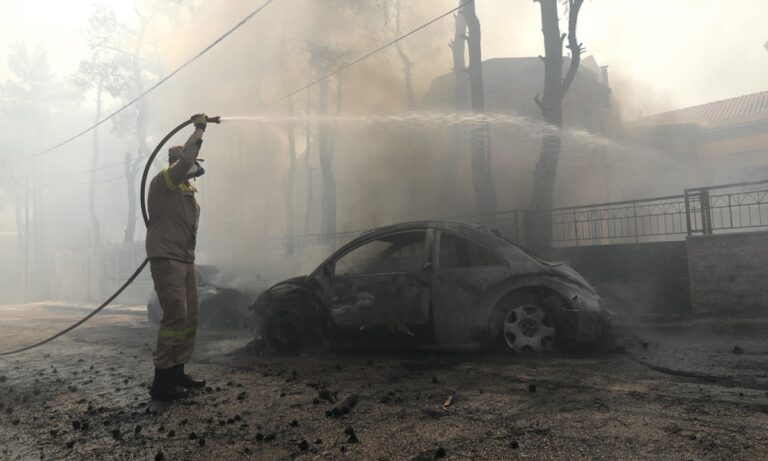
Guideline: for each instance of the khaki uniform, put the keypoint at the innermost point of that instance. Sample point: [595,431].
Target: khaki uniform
[171,236]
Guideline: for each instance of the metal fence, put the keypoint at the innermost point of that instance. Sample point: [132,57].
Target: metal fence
[630,221]
[727,208]
[704,210]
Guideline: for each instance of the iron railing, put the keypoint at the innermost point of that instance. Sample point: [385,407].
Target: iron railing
[704,210]
[629,221]
[727,208]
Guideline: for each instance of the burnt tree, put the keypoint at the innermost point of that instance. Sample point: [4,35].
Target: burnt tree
[323,59]
[407,63]
[539,227]
[482,175]
[290,181]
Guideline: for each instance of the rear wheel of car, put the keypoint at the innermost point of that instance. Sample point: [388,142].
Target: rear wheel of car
[523,323]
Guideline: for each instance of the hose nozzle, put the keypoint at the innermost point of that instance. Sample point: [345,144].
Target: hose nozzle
[216,119]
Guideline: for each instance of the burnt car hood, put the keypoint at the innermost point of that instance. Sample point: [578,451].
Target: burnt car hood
[565,271]
[281,288]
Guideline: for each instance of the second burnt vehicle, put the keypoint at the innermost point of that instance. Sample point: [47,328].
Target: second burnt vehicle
[433,285]
[220,304]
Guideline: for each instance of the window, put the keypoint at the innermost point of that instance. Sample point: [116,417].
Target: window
[457,252]
[403,252]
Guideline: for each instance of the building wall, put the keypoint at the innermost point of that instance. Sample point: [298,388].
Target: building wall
[724,151]
[728,272]
[635,279]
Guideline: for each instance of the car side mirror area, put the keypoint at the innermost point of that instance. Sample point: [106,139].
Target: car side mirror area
[328,270]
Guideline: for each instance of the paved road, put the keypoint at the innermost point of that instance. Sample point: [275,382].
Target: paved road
[684,394]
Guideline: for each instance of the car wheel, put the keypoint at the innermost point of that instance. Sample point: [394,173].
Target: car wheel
[523,324]
[289,329]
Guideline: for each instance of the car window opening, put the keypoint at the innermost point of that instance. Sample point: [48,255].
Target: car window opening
[401,252]
[459,253]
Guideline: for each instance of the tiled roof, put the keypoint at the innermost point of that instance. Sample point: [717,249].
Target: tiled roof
[715,111]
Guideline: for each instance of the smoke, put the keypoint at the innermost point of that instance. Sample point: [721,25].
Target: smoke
[391,162]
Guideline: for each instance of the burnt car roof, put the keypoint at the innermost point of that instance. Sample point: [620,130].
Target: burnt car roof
[475,232]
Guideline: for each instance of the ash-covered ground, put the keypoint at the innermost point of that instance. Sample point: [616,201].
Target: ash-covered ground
[692,390]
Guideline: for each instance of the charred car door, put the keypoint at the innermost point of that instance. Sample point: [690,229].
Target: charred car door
[463,271]
[382,288]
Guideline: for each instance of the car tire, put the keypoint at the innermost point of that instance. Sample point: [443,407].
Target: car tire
[525,322]
[291,329]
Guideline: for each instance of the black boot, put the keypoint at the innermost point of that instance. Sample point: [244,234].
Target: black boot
[183,379]
[165,387]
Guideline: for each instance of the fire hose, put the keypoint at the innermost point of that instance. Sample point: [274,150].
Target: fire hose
[143,264]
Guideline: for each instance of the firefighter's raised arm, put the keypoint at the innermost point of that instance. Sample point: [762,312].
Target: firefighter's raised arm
[178,172]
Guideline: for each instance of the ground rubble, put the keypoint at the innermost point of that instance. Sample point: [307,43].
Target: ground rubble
[85,397]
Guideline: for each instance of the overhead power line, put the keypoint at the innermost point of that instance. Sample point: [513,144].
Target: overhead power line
[370,53]
[337,71]
[153,87]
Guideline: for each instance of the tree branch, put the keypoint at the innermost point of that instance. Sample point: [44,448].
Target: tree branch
[573,44]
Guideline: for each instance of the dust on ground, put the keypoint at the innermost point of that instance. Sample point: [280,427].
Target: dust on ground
[692,391]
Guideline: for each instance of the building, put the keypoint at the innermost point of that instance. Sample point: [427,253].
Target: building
[719,142]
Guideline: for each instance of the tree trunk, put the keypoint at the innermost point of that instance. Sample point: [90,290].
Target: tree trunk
[95,226]
[141,137]
[289,189]
[131,168]
[407,64]
[328,218]
[308,167]
[458,48]
[482,175]
[27,242]
[539,228]
[457,137]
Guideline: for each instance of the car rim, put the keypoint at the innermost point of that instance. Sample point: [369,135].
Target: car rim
[528,328]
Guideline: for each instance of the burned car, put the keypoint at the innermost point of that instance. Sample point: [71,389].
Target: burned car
[433,285]
[219,304]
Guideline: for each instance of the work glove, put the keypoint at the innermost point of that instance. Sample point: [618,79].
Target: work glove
[200,121]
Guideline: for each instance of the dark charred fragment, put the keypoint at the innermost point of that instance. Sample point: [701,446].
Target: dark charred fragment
[351,435]
[346,406]
[325,394]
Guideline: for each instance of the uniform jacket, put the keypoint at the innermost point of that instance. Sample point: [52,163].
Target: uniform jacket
[173,211]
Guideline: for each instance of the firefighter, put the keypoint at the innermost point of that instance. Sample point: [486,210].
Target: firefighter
[171,235]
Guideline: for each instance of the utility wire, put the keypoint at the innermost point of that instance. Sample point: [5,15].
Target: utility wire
[153,87]
[369,54]
[99,181]
[219,40]
[103,167]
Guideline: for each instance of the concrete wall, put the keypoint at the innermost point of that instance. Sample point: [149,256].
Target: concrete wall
[729,272]
[637,278]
